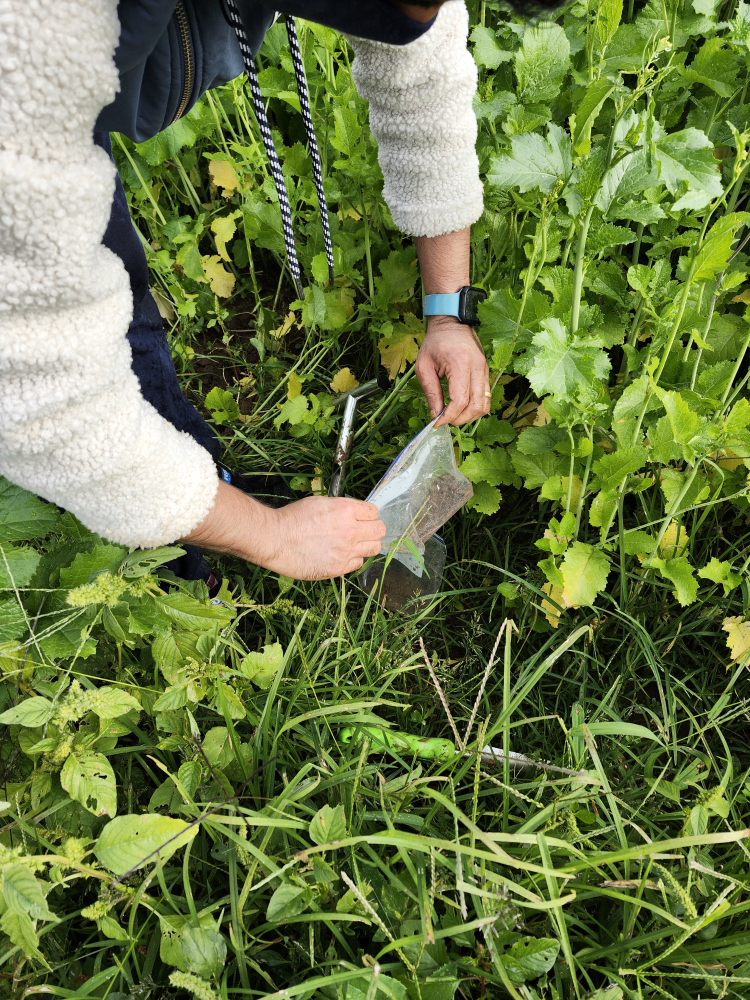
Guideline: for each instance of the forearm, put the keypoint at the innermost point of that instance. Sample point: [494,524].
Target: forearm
[444,261]
[236,525]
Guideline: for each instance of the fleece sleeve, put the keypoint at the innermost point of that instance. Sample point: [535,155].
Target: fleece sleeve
[421,114]
[74,427]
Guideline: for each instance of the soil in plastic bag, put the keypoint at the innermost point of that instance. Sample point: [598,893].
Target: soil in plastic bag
[420,491]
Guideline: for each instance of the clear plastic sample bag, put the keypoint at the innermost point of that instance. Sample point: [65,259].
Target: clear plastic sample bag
[420,491]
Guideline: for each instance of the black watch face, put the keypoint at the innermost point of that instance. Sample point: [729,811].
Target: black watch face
[471,297]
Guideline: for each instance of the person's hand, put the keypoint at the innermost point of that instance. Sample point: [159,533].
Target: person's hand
[321,537]
[313,539]
[452,350]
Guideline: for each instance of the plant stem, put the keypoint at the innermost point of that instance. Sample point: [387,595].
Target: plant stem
[575,311]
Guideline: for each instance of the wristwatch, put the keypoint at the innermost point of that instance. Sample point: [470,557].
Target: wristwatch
[461,304]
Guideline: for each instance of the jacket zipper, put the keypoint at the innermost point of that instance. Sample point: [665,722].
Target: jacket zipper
[187,59]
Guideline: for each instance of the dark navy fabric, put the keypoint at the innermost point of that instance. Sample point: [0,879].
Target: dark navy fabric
[152,359]
[149,56]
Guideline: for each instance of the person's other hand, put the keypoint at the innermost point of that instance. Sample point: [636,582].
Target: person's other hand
[451,350]
[313,539]
[322,537]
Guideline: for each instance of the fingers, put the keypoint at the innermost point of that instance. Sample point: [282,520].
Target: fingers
[430,382]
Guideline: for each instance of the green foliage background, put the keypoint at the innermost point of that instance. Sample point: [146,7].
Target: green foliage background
[184,813]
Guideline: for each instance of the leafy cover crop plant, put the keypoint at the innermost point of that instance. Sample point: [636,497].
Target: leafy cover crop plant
[200,796]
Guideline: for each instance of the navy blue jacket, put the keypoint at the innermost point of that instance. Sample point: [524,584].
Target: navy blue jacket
[173,51]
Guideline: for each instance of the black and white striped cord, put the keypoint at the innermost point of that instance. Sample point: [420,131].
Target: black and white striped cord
[304,101]
[273,158]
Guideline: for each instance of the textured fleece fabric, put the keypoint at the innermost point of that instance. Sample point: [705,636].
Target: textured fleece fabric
[421,115]
[74,426]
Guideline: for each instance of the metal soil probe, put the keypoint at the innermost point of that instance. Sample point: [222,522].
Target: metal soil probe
[397,585]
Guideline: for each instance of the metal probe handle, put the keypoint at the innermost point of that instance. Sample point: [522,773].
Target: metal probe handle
[343,446]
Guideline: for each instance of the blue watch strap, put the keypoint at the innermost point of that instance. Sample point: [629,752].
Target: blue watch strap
[441,305]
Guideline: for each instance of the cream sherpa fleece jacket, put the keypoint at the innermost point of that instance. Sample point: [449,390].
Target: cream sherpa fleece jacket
[74,427]
[421,115]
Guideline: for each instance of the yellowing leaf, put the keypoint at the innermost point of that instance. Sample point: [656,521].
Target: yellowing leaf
[222,174]
[224,229]
[551,613]
[396,353]
[294,386]
[743,297]
[220,280]
[343,381]
[738,638]
[731,461]
[585,570]
[283,330]
[261,668]
[671,546]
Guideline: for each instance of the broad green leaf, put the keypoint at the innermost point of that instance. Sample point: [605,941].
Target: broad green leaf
[288,901]
[564,365]
[485,499]
[111,702]
[12,620]
[717,248]
[348,131]
[261,668]
[17,565]
[20,930]
[204,950]
[536,469]
[493,431]
[328,824]
[22,515]
[30,712]
[102,557]
[190,260]
[611,469]
[128,842]
[529,958]
[487,52]
[534,162]
[542,62]
[686,156]
[89,779]
[714,66]
[584,570]
[488,465]
[111,929]
[719,571]
[685,425]
[680,573]
[293,411]
[223,405]
[217,747]
[168,143]
[608,15]
[538,440]
[144,561]
[608,235]
[187,612]
[638,542]
[23,893]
